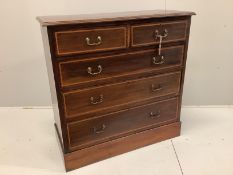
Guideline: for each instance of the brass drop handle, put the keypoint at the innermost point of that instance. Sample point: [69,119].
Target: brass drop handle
[158,60]
[99,130]
[155,115]
[156,88]
[90,70]
[98,41]
[99,100]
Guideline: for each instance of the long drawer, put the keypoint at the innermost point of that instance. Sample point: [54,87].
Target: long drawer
[93,100]
[99,69]
[104,128]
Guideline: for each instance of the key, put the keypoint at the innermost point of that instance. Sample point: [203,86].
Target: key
[161,39]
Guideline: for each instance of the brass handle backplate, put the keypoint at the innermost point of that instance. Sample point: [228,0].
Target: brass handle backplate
[158,35]
[96,101]
[98,41]
[156,88]
[158,60]
[90,70]
[99,130]
[155,115]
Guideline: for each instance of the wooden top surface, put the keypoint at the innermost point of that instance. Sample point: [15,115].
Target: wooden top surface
[106,17]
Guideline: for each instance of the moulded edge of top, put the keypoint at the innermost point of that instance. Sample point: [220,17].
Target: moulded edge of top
[110,17]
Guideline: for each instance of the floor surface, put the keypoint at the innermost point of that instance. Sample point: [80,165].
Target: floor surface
[28,146]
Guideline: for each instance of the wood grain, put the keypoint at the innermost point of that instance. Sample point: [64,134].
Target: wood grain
[103,115]
[78,103]
[70,42]
[115,147]
[109,17]
[75,72]
[144,34]
[118,124]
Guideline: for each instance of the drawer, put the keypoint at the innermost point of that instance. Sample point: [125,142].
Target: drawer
[117,124]
[145,34]
[115,96]
[91,40]
[102,68]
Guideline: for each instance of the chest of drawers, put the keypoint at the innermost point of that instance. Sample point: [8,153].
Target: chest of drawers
[116,80]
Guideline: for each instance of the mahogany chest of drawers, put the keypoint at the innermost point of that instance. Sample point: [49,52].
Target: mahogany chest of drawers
[116,80]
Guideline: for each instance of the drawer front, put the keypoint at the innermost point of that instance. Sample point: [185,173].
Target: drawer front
[102,68]
[145,34]
[107,127]
[94,100]
[84,41]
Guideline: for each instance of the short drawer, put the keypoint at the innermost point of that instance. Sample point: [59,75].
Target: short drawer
[90,40]
[114,125]
[96,69]
[115,96]
[145,34]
